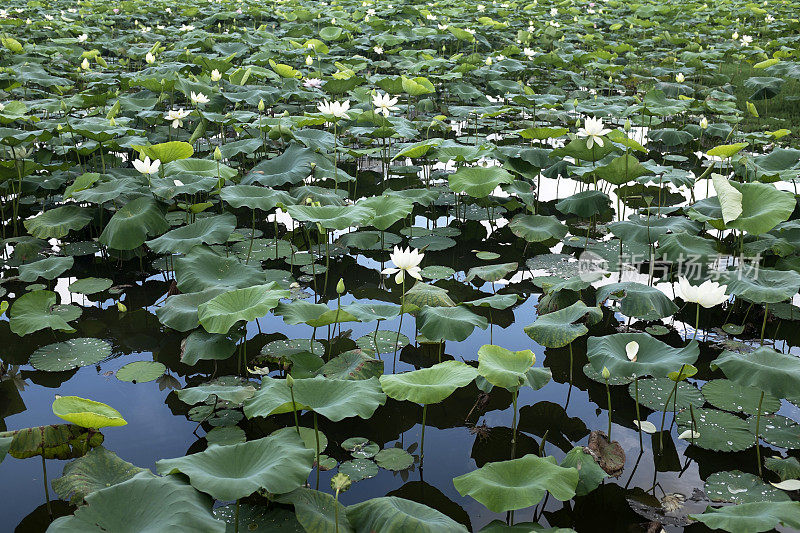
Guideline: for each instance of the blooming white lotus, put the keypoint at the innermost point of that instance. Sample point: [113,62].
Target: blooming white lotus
[334,109]
[704,122]
[708,294]
[149,58]
[384,103]
[377,49]
[529,53]
[2,107]
[83,37]
[746,40]
[680,78]
[146,167]
[177,116]
[632,351]
[407,260]
[216,75]
[312,83]
[198,98]
[593,130]
[85,63]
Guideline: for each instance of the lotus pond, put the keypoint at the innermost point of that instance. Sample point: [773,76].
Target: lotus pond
[370,266]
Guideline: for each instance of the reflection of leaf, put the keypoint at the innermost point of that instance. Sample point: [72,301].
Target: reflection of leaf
[551,418]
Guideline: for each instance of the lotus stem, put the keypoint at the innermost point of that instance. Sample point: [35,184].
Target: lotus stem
[316,436]
[664,412]
[514,425]
[638,416]
[294,411]
[758,422]
[570,363]
[336,509]
[44,478]
[422,437]
[608,397]
[696,321]
[764,323]
[397,340]
[252,235]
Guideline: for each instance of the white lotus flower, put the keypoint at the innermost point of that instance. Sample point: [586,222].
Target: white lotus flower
[632,351]
[198,98]
[2,107]
[680,78]
[216,75]
[309,61]
[149,58]
[384,103]
[735,35]
[708,294]
[146,167]
[553,11]
[529,53]
[746,40]
[377,49]
[312,83]
[82,37]
[407,260]
[593,130]
[85,63]
[177,116]
[334,109]
[704,122]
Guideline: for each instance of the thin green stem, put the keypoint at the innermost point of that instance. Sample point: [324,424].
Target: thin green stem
[758,422]
[608,397]
[316,436]
[638,416]
[422,437]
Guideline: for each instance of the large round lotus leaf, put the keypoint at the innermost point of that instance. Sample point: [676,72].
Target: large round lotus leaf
[166,152]
[433,243]
[428,385]
[292,166]
[537,228]
[751,517]
[590,474]
[502,367]
[332,216]
[90,285]
[254,197]
[210,230]
[358,469]
[388,210]
[315,315]
[277,464]
[133,223]
[382,341]
[143,503]
[679,246]
[235,394]
[203,269]
[495,301]
[336,399]
[730,396]
[638,300]
[584,204]
[653,393]
[394,459]
[655,358]
[70,354]
[369,312]
[220,313]
[423,294]
[765,369]
[491,273]
[719,431]
[448,323]
[361,447]
[315,510]
[559,328]
[49,268]
[762,285]
[644,230]
[225,436]
[786,468]
[141,371]
[777,430]
[86,413]
[171,187]
[258,518]
[58,222]
[762,207]
[389,513]
[288,347]
[478,182]
[179,311]
[740,487]
[308,435]
[96,470]
[518,483]
[622,169]
[188,168]
[201,345]
[353,364]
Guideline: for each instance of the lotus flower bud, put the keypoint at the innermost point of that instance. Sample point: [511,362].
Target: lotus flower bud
[606,374]
[289,381]
[217,154]
[261,106]
[340,286]
[341,482]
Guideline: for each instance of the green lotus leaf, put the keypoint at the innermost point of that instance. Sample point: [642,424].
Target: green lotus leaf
[740,487]
[210,230]
[502,367]
[388,210]
[777,430]
[37,310]
[98,469]
[622,169]
[203,269]
[141,371]
[179,311]
[278,464]
[382,341]
[448,323]
[424,294]
[518,483]
[590,474]
[755,516]
[166,152]
[495,301]
[654,358]
[86,413]
[353,364]
[369,312]
[308,435]
[719,431]
[491,273]
[584,204]
[332,216]
[428,385]
[55,441]
[220,313]
[537,228]
[730,396]
[201,345]
[786,468]
[315,315]
[389,513]
[559,328]
[49,268]
[133,223]
[653,394]
[761,285]
[90,285]
[638,300]
[69,354]
[648,230]
[359,469]
[315,511]
[763,207]
[225,436]
[258,518]
[143,503]
[577,149]
[394,459]
[235,394]
[765,369]
[254,197]
[478,182]
[57,223]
